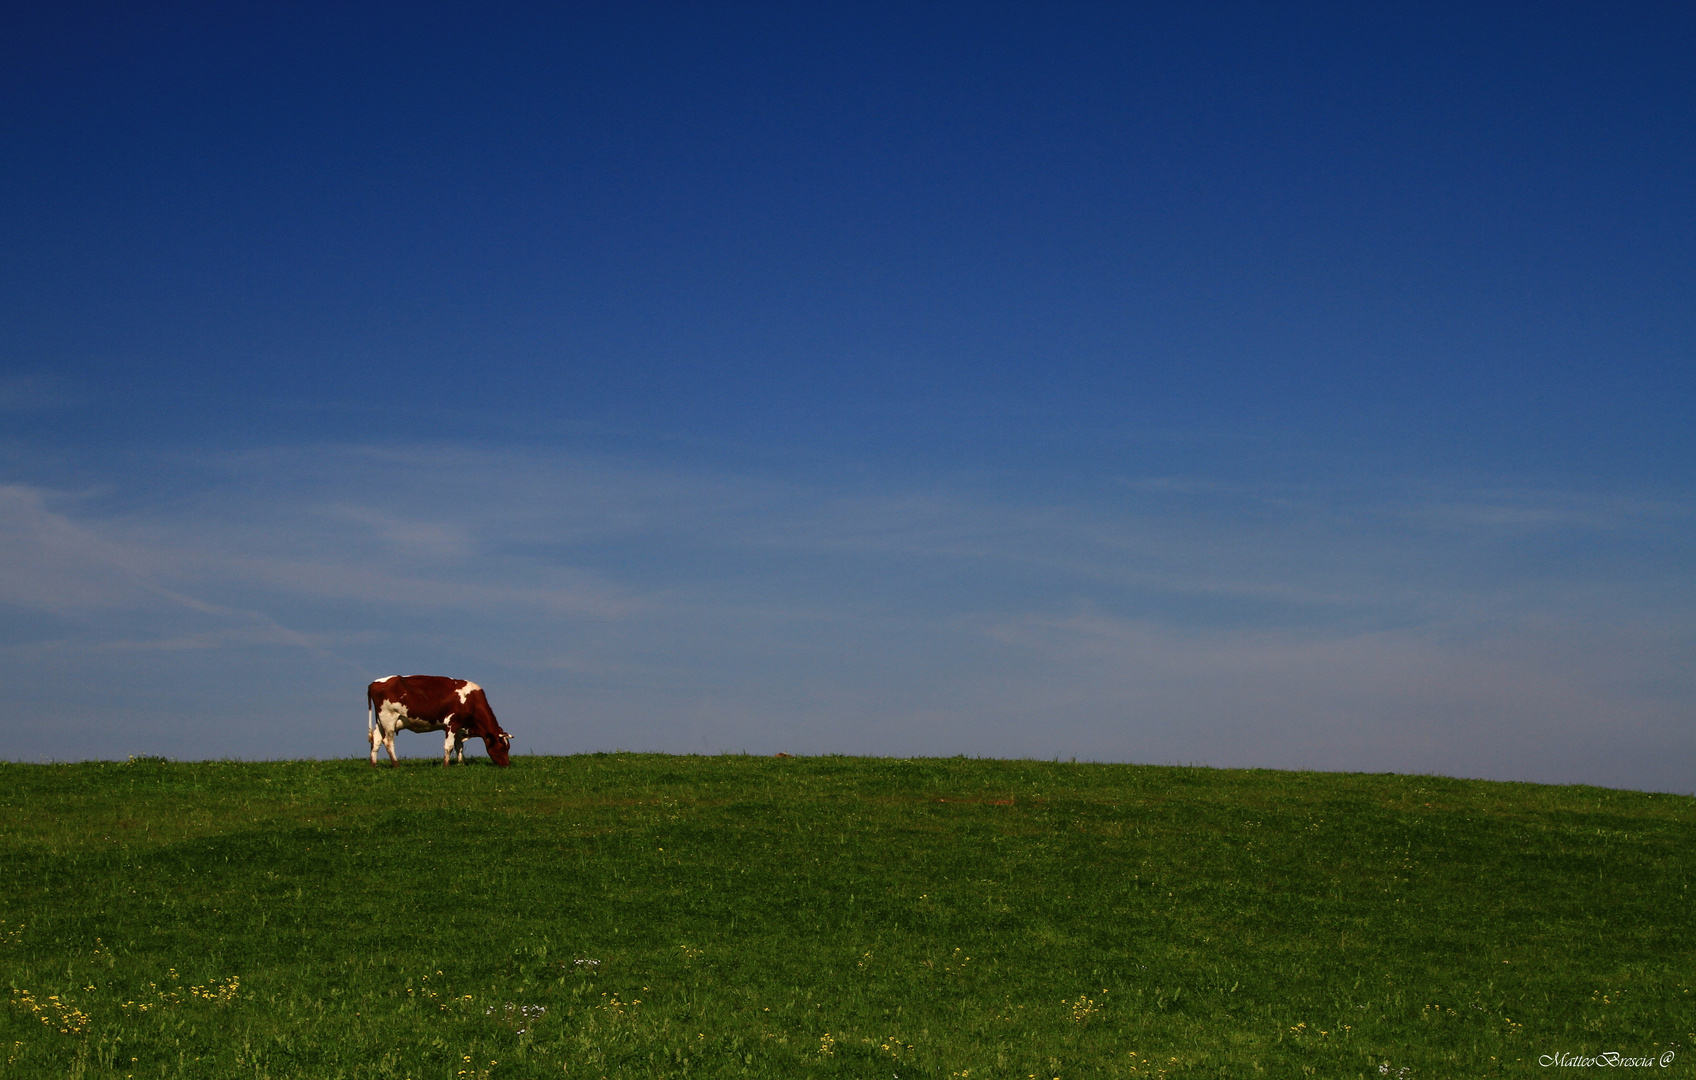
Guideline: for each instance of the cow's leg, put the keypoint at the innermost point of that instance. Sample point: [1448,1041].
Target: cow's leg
[447,747]
[459,747]
[389,745]
[371,737]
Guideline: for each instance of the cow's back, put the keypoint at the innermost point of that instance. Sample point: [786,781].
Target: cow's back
[425,701]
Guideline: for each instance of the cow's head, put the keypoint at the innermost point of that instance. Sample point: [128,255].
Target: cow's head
[499,746]
[483,723]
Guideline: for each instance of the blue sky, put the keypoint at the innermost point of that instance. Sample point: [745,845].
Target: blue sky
[1286,386]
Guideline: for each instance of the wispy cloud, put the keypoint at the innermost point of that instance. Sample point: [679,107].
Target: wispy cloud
[679,606]
[51,563]
[34,393]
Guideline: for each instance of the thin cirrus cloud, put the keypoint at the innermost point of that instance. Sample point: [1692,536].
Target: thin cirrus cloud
[36,392]
[50,563]
[608,602]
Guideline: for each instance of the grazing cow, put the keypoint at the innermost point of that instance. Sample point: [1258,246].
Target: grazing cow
[432,703]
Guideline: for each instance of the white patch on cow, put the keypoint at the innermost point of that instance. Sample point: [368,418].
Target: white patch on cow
[466,690]
[388,678]
[391,717]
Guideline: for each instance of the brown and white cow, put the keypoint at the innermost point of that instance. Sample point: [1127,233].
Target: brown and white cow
[432,703]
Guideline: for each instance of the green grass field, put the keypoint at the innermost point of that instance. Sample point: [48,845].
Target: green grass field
[642,916]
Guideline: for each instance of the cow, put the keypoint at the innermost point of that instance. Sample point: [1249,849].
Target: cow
[432,703]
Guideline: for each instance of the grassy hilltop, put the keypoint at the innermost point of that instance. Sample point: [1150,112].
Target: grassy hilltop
[643,916]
